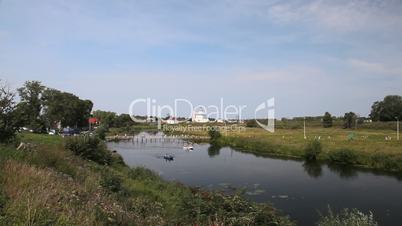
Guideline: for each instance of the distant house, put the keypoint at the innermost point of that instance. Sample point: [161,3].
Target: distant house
[220,121]
[93,121]
[200,117]
[171,121]
[151,119]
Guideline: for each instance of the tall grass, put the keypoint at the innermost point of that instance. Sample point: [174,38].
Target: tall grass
[52,185]
[348,217]
[88,147]
[312,150]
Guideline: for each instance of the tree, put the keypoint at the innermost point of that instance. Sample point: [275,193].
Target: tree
[8,123]
[349,120]
[65,108]
[387,109]
[327,120]
[123,120]
[30,106]
[55,108]
[106,118]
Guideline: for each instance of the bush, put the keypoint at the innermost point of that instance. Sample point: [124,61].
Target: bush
[100,132]
[351,218]
[219,209]
[111,181]
[140,173]
[91,148]
[312,150]
[8,117]
[214,134]
[251,123]
[2,201]
[387,162]
[343,156]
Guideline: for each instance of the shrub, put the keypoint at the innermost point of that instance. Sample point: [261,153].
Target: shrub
[214,134]
[312,150]
[343,156]
[111,181]
[219,209]
[348,217]
[100,132]
[387,162]
[2,200]
[251,123]
[140,173]
[8,117]
[46,157]
[91,148]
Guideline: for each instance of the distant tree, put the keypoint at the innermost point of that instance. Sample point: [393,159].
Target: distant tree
[106,118]
[100,132]
[123,120]
[65,108]
[387,109]
[83,112]
[8,120]
[30,106]
[251,123]
[54,109]
[327,120]
[349,120]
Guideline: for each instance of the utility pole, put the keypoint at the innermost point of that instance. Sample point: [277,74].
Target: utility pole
[304,128]
[356,123]
[397,128]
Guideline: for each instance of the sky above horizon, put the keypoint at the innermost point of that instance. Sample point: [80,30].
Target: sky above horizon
[312,56]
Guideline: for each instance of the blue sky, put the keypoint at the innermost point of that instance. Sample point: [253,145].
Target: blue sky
[312,56]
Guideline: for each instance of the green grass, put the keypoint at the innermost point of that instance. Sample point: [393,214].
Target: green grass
[41,139]
[132,129]
[369,146]
[49,185]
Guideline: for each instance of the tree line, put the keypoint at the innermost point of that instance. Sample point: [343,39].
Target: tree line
[40,108]
[389,109]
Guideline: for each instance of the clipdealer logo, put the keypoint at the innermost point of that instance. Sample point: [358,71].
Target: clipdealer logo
[201,113]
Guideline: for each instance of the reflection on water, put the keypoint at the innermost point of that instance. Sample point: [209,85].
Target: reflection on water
[213,150]
[300,189]
[345,172]
[313,168]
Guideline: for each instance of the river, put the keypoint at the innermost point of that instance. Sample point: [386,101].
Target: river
[300,190]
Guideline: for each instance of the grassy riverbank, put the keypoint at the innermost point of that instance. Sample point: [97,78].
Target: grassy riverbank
[49,185]
[362,147]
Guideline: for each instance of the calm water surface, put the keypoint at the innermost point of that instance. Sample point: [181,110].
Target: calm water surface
[298,189]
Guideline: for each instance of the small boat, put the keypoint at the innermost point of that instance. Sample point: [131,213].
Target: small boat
[168,157]
[188,147]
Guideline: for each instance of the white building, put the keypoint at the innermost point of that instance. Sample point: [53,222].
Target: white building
[200,117]
[172,121]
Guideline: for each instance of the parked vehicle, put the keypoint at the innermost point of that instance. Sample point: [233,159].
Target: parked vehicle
[70,132]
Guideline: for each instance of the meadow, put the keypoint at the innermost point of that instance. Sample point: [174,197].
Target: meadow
[363,147]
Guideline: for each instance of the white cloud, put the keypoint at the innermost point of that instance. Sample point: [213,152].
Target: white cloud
[342,16]
[375,67]
[289,74]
